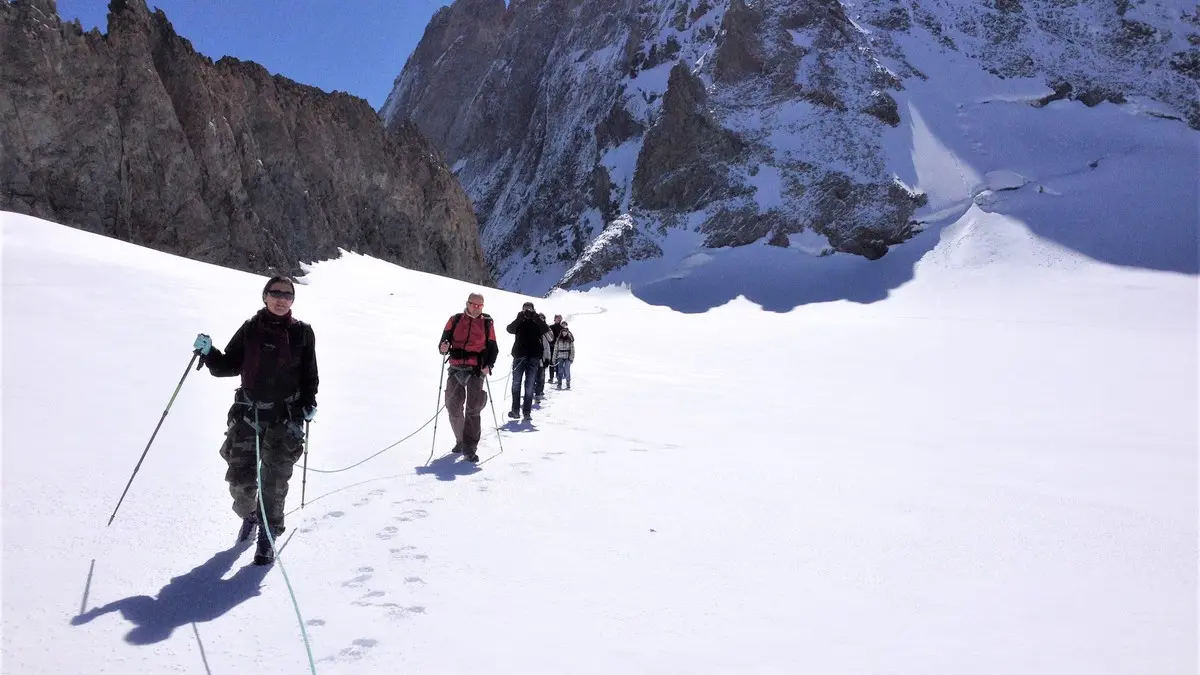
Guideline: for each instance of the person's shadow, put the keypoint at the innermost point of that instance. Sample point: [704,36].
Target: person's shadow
[200,595]
[448,468]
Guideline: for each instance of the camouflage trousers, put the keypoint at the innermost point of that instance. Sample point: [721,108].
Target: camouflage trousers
[281,446]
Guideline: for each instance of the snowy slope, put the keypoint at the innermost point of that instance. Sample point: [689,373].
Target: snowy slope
[993,470]
[1111,183]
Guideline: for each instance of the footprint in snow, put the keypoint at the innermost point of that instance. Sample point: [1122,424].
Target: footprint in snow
[408,553]
[354,652]
[363,576]
[415,514]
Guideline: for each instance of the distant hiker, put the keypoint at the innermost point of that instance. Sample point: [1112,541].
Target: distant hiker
[554,329]
[469,339]
[275,356]
[527,355]
[539,389]
[564,355]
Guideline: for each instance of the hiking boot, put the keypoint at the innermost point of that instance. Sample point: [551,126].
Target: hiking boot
[514,414]
[264,554]
[247,529]
[457,448]
[470,455]
[528,418]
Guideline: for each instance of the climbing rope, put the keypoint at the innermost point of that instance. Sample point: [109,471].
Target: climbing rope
[414,433]
[364,461]
[265,525]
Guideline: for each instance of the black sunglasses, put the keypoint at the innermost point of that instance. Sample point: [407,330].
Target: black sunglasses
[283,295]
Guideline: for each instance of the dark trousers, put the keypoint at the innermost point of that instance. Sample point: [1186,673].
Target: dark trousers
[524,379]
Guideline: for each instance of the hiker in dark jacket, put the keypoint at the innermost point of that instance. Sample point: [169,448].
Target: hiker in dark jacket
[539,388]
[275,356]
[554,330]
[469,339]
[527,356]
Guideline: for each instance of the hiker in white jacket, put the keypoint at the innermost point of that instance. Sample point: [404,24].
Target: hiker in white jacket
[564,355]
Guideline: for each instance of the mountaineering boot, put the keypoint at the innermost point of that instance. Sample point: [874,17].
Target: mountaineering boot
[247,529]
[514,414]
[457,448]
[469,455]
[264,554]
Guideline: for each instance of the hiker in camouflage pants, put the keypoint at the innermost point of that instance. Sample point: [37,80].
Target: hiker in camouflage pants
[274,354]
[281,446]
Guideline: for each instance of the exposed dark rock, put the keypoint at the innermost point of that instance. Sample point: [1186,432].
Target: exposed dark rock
[618,245]
[679,166]
[739,51]
[883,107]
[617,128]
[134,135]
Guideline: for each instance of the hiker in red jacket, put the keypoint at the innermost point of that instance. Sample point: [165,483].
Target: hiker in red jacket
[469,339]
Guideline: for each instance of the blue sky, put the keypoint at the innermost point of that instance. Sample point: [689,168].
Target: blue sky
[357,47]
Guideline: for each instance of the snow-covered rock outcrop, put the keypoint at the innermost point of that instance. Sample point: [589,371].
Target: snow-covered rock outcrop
[737,121]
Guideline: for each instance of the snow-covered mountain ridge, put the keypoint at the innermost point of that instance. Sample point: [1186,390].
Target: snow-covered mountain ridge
[598,138]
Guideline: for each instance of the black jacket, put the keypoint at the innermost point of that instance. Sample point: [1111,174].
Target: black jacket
[528,327]
[276,358]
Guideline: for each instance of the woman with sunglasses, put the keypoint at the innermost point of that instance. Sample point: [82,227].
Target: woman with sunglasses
[274,354]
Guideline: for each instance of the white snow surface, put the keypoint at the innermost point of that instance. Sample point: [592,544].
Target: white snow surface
[991,471]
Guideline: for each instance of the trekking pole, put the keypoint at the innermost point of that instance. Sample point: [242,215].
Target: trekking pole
[156,428]
[304,476]
[441,378]
[495,420]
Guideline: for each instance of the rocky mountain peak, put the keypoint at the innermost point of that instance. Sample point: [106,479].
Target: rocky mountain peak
[135,135]
[715,123]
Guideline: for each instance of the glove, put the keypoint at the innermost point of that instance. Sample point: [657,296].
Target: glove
[203,344]
[296,430]
[310,412]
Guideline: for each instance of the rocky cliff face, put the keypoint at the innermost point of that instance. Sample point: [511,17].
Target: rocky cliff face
[135,135]
[580,126]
